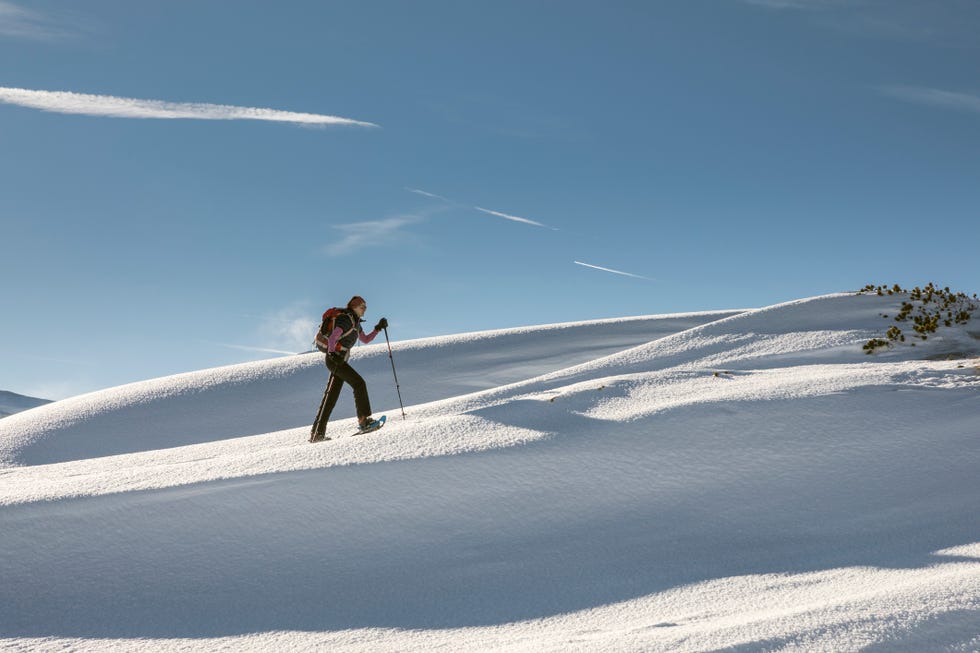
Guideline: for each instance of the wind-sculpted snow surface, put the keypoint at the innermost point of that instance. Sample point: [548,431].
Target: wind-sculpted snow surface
[750,481]
[283,393]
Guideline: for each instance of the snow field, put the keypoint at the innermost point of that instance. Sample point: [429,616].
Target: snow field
[751,481]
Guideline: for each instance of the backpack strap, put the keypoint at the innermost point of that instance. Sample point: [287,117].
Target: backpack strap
[353,321]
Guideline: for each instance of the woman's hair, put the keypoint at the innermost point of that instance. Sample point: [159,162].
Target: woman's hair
[355,301]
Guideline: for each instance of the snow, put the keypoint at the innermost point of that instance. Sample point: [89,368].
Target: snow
[11,402]
[738,480]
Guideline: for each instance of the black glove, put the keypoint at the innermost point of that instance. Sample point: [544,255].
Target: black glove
[383,324]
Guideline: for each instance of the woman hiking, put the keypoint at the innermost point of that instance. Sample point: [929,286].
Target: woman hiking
[339,331]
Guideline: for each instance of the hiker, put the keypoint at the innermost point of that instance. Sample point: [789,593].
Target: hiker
[336,342]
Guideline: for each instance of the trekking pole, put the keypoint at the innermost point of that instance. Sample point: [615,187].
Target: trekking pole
[397,387]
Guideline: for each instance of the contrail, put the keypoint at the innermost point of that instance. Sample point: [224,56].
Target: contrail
[515,218]
[428,194]
[505,216]
[934,97]
[625,274]
[121,107]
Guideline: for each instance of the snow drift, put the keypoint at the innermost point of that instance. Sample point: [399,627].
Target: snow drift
[742,480]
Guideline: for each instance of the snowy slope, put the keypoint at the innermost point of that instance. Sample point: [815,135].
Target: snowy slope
[11,402]
[282,393]
[743,481]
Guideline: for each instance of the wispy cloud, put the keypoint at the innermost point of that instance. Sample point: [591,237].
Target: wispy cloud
[625,274]
[18,22]
[63,361]
[513,218]
[795,4]
[375,233]
[261,350]
[916,21]
[933,97]
[121,107]
[284,331]
[289,329]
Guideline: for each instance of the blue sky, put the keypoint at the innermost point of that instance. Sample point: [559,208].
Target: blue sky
[724,153]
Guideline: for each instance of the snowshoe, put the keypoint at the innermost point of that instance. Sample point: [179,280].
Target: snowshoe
[372,425]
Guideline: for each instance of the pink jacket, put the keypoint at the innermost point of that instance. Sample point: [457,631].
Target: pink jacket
[363,337]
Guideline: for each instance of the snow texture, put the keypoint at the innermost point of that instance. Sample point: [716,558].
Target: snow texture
[739,481]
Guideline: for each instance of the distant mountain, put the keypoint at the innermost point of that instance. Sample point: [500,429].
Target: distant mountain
[11,403]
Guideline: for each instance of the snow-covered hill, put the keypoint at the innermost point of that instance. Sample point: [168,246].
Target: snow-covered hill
[11,402]
[745,480]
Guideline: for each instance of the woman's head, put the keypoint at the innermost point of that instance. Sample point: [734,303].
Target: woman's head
[357,304]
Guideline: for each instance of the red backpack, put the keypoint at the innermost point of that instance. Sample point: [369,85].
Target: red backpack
[321,341]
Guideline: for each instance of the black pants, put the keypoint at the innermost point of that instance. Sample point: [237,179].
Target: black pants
[340,373]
